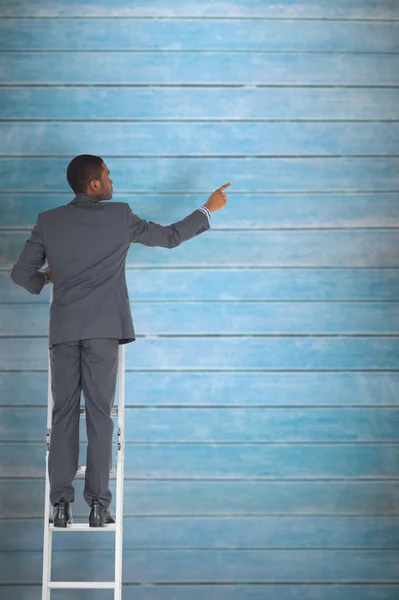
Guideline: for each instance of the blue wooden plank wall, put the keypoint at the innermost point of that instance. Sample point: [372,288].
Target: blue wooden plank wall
[262,456]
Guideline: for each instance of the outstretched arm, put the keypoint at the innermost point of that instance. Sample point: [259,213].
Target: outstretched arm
[149,233]
[26,272]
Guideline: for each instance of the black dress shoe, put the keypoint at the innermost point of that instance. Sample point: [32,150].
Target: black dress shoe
[99,515]
[62,515]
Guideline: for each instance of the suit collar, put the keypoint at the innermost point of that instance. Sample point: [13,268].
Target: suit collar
[83,198]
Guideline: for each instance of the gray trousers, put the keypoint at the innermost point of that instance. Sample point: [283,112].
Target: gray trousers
[90,365]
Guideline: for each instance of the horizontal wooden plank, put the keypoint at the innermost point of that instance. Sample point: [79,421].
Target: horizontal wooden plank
[21,389]
[205,533]
[200,139]
[198,103]
[216,353]
[347,9]
[287,284]
[193,68]
[230,318]
[203,175]
[318,248]
[227,461]
[25,497]
[209,566]
[206,425]
[200,34]
[270,211]
[223,592]
[230,353]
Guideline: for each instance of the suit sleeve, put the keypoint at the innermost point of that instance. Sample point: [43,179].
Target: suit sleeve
[149,233]
[26,272]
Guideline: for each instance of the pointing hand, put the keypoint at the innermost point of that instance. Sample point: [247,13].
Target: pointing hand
[218,199]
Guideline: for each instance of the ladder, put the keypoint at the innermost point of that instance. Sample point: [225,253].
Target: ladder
[117,528]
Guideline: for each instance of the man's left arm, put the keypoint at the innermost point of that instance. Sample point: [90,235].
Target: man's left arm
[26,272]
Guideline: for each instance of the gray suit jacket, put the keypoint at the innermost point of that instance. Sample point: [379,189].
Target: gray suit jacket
[86,243]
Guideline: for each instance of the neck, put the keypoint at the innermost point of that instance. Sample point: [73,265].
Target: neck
[89,194]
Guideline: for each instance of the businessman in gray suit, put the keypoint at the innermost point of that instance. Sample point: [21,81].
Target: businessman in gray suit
[86,242]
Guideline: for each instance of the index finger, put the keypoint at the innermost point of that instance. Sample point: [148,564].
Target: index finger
[223,187]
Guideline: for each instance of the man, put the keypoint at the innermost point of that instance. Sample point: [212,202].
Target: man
[86,243]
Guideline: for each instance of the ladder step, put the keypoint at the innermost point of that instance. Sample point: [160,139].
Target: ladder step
[82,469]
[84,527]
[81,585]
[114,412]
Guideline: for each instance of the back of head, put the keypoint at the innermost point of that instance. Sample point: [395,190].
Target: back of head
[81,170]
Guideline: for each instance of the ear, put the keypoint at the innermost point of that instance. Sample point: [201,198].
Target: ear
[94,185]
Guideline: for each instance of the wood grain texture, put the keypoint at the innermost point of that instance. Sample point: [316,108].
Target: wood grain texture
[213,566]
[223,533]
[211,461]
[231,318]
[252,353]
[201,139]
[148,284]
[214,103]
[162,498]
[226,592]
[230,389]
[322,9]
[226,425]
[244,211]
[190,68]
[342,248]
[198,35]
[250,175]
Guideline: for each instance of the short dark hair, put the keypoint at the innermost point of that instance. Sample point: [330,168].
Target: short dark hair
[82,169]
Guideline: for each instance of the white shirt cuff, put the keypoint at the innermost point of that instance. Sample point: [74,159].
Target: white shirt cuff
[205,210]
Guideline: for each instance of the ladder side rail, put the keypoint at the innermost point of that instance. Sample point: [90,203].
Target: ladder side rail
[47,537]
[120,474]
